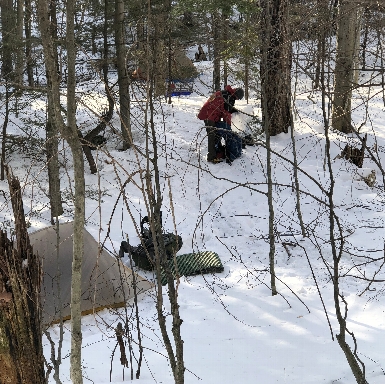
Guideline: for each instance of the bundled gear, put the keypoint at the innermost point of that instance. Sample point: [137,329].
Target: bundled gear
[247,140]
[144,254]
[216,113]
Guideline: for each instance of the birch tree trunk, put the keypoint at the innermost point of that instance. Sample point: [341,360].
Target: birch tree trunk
[345,65]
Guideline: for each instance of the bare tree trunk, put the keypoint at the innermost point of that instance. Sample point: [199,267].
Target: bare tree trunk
[357,35]
[215,25]
[323,18]
[52,132]
[21,351]
[123,79]
[296,183]
[4,134]
[69,132]
[6,68]
[154,197]
[78,164]
[345,62]
[271,208]
[52,144]
[20,42]
[366,35]
[247,59]
[7,32]
[224,46]
[356,365]
[159,39]
[276,54]
[155,202]
[28,41]
[106,117]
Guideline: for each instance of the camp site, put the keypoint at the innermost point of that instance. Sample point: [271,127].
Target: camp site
[192,192]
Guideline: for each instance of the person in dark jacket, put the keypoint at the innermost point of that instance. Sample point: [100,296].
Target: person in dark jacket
[216,113]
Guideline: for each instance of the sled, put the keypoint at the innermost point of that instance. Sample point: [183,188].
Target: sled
[179,87]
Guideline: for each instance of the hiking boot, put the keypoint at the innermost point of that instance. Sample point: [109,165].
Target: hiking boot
[216,160]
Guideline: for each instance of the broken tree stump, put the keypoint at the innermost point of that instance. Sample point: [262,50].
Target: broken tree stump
[355,155]
[21,351]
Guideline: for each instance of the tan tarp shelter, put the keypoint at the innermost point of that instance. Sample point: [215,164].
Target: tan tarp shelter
[106,282]
[182,67]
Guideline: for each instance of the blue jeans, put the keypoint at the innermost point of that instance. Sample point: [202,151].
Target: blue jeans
[232,140]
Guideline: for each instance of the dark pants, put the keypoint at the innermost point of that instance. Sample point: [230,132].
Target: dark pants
[217,131]
[233,141]
[212,140]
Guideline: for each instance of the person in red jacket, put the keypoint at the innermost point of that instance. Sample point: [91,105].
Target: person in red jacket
[216,113]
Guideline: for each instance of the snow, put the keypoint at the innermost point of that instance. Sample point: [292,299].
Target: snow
[234,331]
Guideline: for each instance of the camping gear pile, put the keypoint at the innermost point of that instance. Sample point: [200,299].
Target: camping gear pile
[182,265]
[144,254]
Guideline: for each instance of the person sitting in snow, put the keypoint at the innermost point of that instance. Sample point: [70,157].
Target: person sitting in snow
[216,113]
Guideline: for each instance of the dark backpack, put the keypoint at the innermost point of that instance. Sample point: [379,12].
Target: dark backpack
[172,243]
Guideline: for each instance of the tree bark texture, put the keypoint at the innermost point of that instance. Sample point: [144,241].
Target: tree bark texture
[52,145]
[7,32]
[323,30]
[52,132]
[21,351]
[70,134]
[276,54]
[106,117]
[215,25]
[19,42]
[347,35]
[153,195]
[79,216]
[123,79]
[28,41]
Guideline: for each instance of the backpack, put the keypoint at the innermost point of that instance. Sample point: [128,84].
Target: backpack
[204,111]
[172,243]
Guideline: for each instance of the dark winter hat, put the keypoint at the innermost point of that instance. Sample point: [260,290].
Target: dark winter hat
[239,93]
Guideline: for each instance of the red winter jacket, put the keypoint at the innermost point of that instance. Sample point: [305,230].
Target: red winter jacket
[214,108]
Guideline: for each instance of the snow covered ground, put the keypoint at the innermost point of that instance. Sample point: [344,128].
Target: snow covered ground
[234,331]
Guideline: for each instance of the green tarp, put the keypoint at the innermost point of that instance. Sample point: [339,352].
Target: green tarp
[194,264]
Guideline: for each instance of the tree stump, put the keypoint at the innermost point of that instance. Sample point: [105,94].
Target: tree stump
[21,351]
[355,155]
